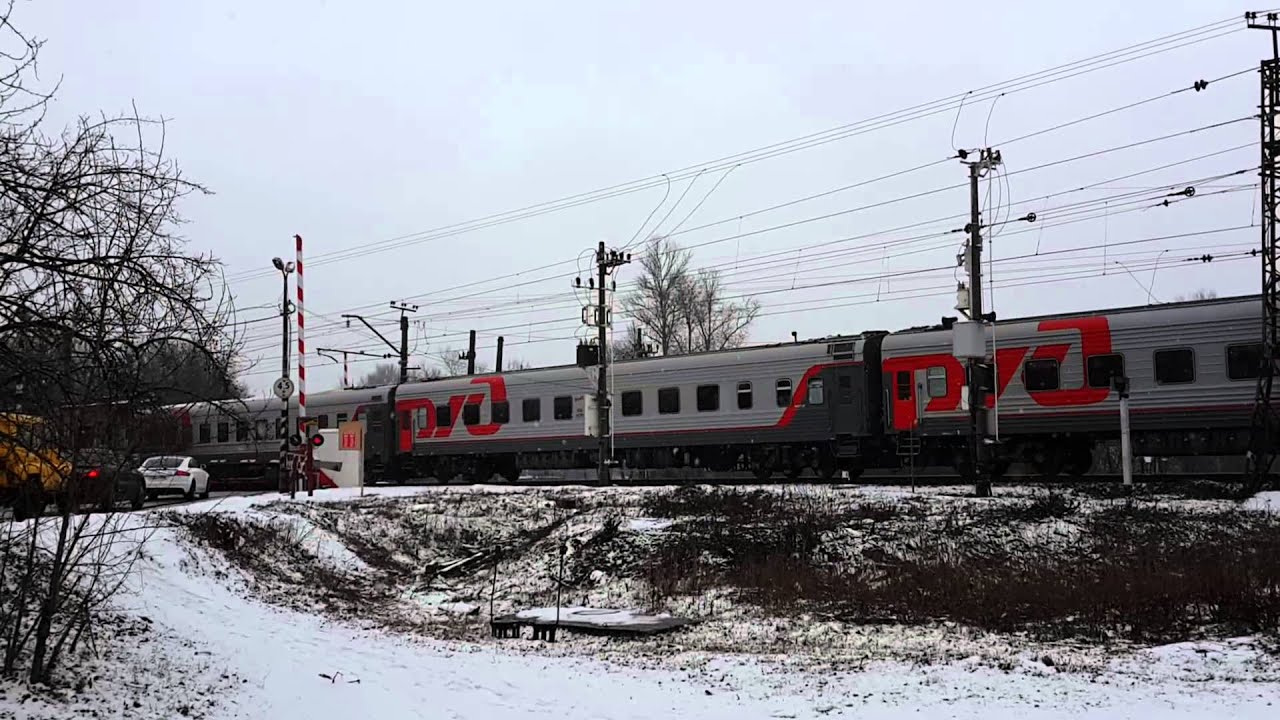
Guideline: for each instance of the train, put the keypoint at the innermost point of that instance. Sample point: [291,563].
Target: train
[826,406]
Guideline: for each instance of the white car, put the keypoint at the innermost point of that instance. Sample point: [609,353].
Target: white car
[168,474]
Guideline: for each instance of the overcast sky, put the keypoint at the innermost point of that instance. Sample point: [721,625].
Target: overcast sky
[356,123]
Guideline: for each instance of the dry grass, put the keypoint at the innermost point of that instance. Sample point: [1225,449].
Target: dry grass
[1138,571]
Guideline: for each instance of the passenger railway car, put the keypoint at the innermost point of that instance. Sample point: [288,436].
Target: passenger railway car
[1192,369]
[781,408]
[846,403]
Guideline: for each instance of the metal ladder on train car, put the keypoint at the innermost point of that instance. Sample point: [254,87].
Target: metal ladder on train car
[909,445]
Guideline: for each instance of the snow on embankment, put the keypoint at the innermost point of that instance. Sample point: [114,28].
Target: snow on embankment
[294,653]
[283,653]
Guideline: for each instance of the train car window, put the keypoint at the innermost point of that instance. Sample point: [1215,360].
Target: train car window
[242,432]
[500,412]
[420,418]
[205,437]
[224,432]
[324,421]
[444,417]
[844,383]
[1102,368]
[744,396]
[562,407]
[935,381]
[531,409]
[260,430]
[783,391]
[708,398]
[632,403]
[1244,361]
[668,400]
[903,382]
[406,420]
[342,417]
[816,392]
[471,414]
[1040,375]
[1175,366]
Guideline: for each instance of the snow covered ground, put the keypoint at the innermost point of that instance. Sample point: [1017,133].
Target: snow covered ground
[213,650]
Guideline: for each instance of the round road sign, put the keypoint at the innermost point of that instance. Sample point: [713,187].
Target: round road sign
[283,388]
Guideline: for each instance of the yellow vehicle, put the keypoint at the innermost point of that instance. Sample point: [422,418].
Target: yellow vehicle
[30,473]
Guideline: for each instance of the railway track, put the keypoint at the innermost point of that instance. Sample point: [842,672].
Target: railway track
[658,479]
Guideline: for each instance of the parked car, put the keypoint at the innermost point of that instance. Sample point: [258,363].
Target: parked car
[174,474]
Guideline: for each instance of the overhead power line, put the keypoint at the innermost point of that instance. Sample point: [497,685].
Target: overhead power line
[1021,83]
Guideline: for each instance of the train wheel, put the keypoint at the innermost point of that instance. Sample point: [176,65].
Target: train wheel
[794,469]
[1079,460]
[483,472]
[510,471]
[854,467]
[827,467]
[999,466]
[1047,463]
[762,469]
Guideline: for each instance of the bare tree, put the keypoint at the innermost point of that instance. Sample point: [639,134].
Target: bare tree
[656,304]
[631,346]
[683,312]
[1201,294]
[716,323]
[451,363]
[381,374]
[101,307]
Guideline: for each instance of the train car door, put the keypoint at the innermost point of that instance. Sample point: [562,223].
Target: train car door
[374,431]
[847,403]
[905,399]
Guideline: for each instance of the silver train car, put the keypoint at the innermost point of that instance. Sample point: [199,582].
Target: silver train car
[1192,370]
[877,399]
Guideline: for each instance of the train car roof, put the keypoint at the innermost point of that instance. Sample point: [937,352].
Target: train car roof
[1101,311]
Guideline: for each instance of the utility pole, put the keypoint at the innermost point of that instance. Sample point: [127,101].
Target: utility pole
[1266,421]
[987,159]
[606,262]
[284,386]
[471,354]
[404,307]
[403,350]
[498,362]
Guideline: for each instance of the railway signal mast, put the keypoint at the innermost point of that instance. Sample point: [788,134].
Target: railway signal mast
[599,317]
[1266,424]
[970,338]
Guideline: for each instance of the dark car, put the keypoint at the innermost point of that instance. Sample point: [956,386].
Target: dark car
[104,478]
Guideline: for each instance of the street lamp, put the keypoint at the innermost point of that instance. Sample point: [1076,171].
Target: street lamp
[285,269]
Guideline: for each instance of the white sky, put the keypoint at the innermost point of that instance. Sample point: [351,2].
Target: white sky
[354,123]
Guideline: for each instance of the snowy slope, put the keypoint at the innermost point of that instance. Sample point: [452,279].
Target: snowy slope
[275,657]
[282,653]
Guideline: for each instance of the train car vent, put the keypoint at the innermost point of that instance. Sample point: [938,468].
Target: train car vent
[841,351]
